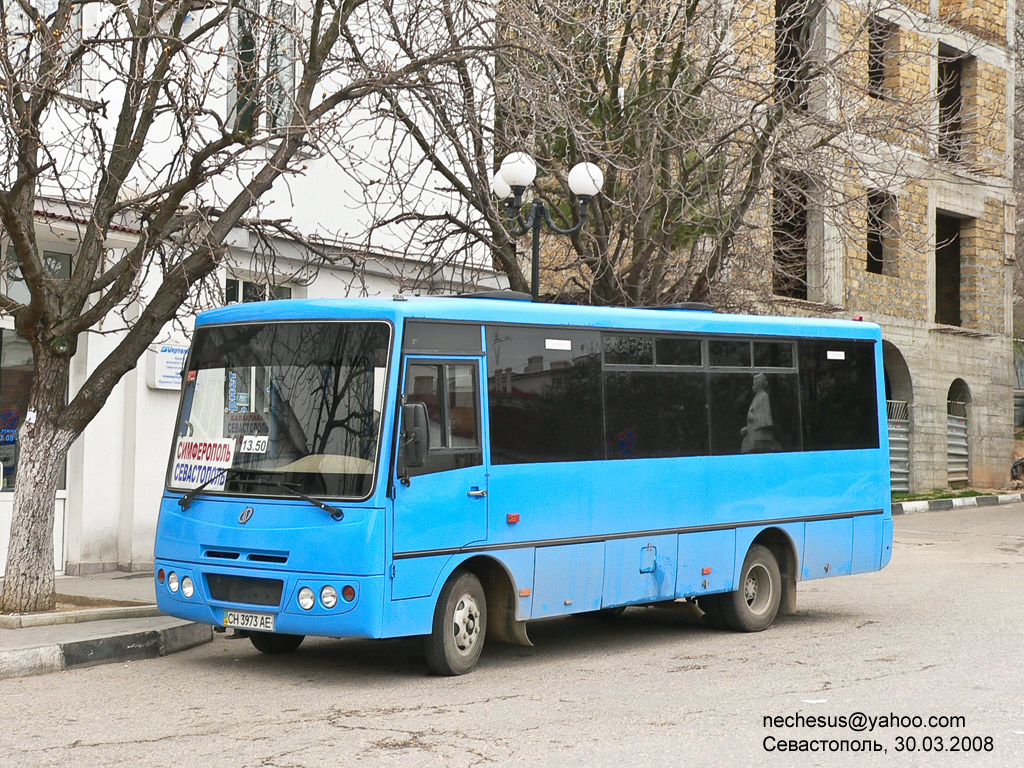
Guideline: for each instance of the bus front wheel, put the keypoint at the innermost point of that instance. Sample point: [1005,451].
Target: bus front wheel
[460,624]
[269,642]
[755,604]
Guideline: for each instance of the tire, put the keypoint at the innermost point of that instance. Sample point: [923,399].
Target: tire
[460,624]
[271,642]
[754,606]
[711,605]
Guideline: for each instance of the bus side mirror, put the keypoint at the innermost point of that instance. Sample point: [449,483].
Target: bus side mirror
[415,436]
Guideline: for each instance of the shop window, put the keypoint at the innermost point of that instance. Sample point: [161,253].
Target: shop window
[243,291]
[15,383]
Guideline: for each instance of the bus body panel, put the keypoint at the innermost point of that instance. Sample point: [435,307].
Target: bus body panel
[707,563]
[568,579]
[279,535]
[415,577]
[868,533]
[640,570]
[608,498]
[886,542]
[414,616]
[828,549]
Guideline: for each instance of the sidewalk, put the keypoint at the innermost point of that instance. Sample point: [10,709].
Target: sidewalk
[121,623]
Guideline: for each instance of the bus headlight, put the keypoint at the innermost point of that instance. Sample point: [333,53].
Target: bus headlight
[172,581]
[306,598]
[187,587]
[329,596]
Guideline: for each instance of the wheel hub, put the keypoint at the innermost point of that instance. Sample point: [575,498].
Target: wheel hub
[757,589]
[466,624]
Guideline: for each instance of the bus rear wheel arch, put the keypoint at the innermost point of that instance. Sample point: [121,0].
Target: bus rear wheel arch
[755,604]
[456,639]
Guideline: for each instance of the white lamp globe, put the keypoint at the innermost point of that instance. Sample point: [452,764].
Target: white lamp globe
[585,180]
[518,170]
[501,190]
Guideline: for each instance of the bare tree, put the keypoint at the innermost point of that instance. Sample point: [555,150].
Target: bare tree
[703,114]
[127,123]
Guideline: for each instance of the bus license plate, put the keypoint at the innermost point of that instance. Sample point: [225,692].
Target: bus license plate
[261,622]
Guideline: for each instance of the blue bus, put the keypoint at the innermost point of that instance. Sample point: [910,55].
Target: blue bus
[453,467]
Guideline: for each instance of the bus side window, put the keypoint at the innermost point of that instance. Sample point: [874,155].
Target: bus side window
[423,385]
[450,391]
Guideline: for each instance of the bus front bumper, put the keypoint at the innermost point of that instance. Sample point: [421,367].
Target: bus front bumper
[268,600]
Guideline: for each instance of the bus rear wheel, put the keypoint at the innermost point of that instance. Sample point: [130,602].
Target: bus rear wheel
[460,623]
[753,606]
[270,642]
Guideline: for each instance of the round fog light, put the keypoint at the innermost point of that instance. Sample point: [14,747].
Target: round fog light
[187,587]
[348,593]
[306,598]
[172,581]
[329,597]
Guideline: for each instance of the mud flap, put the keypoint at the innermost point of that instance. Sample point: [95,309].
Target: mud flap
[502,623]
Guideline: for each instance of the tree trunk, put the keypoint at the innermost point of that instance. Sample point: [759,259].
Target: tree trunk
[44,444]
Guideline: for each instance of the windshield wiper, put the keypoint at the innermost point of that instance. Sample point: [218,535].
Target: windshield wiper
[186,500]
[333,511]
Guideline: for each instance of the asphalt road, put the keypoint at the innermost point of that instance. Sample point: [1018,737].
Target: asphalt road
[938,633]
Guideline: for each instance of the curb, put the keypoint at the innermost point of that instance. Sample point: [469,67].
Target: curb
[147,644]
[19,621]
[913,507]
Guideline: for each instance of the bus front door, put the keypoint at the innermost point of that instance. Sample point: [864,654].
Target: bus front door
[443,504]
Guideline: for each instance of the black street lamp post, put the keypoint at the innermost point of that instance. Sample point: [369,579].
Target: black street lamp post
[517,172]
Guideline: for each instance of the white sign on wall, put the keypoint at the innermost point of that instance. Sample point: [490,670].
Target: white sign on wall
[164,364]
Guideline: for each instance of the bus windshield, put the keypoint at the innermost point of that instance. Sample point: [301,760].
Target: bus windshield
[269,407]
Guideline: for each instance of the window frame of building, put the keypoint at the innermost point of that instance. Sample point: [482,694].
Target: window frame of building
[264,73]
[253,290]
[952,69]
[948,290]
[795,39]
[883,37]
[790,213]
[12,284]
[882,215]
